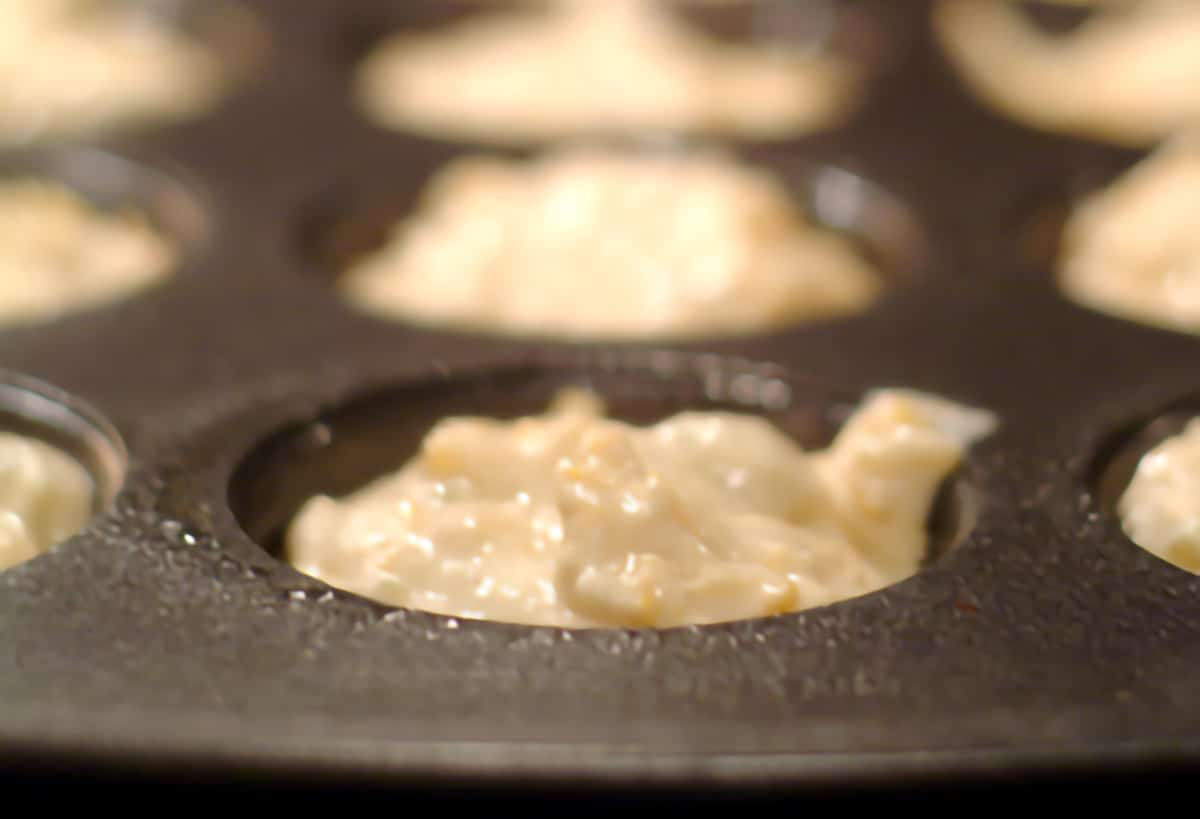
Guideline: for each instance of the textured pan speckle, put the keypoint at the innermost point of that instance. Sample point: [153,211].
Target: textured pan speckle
[164,636]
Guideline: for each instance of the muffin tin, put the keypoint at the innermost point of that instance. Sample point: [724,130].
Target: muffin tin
[169,640]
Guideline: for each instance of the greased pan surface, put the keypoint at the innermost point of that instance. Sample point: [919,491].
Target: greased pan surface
[165,636]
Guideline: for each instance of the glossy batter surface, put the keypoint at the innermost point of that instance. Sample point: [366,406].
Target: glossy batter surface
[588,67]
[1129,74]
[1160,510]
[45,497]
[588,243]
[76,67]
[60,254]
[1133,249]
[573,519]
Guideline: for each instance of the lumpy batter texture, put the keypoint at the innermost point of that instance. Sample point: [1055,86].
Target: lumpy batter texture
[589,243]
[574,519]
[73,67]
[1160,510]
[60,254]
[1133,249]
[1129,74]
[45,497]
[588,67]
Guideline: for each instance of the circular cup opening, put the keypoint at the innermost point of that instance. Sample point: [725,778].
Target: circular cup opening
[1060,19]
[865,40]
[36,410]
[348,225]
[348,446]
[1045,65]
[225,28]
[112,182]
[817,26]
[116,185]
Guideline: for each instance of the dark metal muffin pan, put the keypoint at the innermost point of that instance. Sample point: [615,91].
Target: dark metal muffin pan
[166,639]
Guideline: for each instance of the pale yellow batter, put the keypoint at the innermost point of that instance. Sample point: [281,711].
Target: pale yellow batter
[45,497]
[1133,249]
[75,67]
[585,67]
[1130,74]
[1160,510]
[60,254]
[588,243]
[572,519]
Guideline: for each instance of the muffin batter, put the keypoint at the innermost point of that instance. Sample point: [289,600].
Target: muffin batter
[1130,74]
[60,254]
[587,243]
[1133,249]
[1160,510]
[73,67]
[571,519]
[45,497]
[586,67]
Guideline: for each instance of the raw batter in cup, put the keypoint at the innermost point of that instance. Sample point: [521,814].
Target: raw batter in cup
[77,67]
[594,243]
[45,497]
[1130,74]
[61,254]
[576,520]
[587,67]
[1133,249]
[1160,510]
